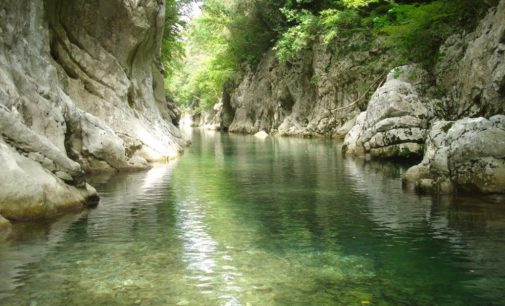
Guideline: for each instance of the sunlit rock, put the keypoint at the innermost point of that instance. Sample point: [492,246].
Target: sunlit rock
[30,191]
[394,124]
[211,119]
[81,89]
[261,135]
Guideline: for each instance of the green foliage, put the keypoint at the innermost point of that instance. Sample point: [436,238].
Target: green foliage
[297,37]
[402,153]
[333,22]
[418,30]
[229,36]
[397,73]
[447,127]
[232,36]
[172,47]
[308,27]
[358,3]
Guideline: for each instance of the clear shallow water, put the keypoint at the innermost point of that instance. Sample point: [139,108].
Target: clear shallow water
[240,221]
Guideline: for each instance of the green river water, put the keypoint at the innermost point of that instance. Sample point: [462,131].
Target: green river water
[243,221]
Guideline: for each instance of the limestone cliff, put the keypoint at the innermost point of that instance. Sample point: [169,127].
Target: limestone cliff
[80,90]
[342,89]
[316,94]
[467,153]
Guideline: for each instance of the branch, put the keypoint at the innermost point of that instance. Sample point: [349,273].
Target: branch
[377,82]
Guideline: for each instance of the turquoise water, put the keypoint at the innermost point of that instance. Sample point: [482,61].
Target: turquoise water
[241,221]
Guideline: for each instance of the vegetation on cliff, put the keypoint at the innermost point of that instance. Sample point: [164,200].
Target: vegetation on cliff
[232,36]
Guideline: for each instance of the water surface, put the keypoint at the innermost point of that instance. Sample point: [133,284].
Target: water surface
[241,221]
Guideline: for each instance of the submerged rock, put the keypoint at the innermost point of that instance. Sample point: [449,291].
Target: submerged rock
[394,124]
[467,155]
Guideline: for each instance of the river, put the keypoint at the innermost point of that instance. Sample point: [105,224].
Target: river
[243,221]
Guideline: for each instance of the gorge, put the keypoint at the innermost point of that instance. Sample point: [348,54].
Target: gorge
[376,173]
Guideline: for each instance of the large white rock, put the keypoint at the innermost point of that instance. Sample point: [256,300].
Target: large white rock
[394,124]
[30,191]
[261,135]
[352,143]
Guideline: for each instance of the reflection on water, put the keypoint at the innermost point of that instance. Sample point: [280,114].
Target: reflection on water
[242,221]
[382,183]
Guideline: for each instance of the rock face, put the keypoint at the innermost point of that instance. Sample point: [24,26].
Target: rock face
[467,155]
[80,90]
[108,53]
[394,124]
[462,155]
[472,70]
[210,119]
[314,95]
[323,91]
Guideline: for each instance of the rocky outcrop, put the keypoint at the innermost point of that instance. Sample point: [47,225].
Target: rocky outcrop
[467,155]
[472,69]
[108,60]
[323,91]
[210,119]
[462,155]
[394,124]
[314,95]
[80,90]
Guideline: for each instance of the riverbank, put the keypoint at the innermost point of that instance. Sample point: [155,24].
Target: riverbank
[449,114]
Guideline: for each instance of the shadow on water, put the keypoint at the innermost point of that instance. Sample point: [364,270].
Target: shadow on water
[244,221]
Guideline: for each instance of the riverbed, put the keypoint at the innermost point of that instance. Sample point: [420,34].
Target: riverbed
[244,221]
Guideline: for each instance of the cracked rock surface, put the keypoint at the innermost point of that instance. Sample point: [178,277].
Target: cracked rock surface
[466,155]
[394,124]
[81,90]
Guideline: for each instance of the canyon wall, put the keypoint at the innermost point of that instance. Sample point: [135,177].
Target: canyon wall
[318,94]
[450,114]
[81,90]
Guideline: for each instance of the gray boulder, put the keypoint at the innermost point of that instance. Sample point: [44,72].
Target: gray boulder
[467,155]
[394,124]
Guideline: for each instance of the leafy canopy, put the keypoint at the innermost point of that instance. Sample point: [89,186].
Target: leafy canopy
[232,36]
